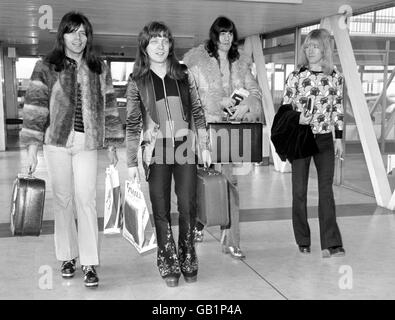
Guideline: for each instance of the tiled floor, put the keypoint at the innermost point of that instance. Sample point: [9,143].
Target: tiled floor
[273,269]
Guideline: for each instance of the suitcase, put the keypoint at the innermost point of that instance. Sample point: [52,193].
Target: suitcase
[236,141]
[27,205]
[212,198]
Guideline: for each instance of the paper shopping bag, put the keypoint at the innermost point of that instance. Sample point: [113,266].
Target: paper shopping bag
[137,227]
[112,202]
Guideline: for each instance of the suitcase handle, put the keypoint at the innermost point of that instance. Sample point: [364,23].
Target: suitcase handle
[210,171]
[29,175]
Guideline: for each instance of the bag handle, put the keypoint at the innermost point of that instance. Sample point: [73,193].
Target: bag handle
[210,171]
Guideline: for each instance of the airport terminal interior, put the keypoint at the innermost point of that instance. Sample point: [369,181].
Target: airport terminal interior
[273,269]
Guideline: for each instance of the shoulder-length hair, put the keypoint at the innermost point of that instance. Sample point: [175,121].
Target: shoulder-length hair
[142,64]
[222,24]
[322,36]
[70,22]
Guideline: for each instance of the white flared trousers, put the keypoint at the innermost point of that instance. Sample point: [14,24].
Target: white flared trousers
[72,172]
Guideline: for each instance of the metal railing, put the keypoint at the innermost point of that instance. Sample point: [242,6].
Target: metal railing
[381,22]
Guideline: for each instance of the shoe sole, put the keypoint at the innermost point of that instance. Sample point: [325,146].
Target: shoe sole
[90,285]
[67,276]
[172,283]
[339,254]
[190,279]
[326,254]
[227,251]
[238,258]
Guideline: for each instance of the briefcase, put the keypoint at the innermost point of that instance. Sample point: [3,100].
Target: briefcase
[236,141]
[212,198]
[27,205]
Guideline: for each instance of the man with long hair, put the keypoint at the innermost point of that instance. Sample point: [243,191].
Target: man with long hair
[315,92]
[162,101]
[219,68]
[70,109]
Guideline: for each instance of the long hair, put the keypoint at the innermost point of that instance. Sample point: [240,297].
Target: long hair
[222,24]
[70,22]
[322,36]
[142,64]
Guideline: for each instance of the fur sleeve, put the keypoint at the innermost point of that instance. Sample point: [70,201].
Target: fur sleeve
[254,100]
[36,106]
[113,133]
[198,113]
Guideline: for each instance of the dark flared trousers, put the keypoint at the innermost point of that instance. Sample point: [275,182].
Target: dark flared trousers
[324,161]
[170,261]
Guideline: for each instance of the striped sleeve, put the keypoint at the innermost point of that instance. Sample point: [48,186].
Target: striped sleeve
[36,107]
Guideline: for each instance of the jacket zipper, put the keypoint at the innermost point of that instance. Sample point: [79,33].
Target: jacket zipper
[184,117]
[156,109]
[168,114]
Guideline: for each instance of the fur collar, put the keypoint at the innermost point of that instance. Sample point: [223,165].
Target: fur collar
[210,69]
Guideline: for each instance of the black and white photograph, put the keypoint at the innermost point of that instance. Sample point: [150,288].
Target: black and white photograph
[197,157]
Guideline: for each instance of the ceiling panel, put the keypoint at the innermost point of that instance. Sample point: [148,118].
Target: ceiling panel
[117,23]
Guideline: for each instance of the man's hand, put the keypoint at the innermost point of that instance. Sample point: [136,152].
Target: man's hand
[227,102]
[32,158]
[206,158]
[250,117]
[339,149]
[134,175]
[305,120]
[241,111]
[112,155]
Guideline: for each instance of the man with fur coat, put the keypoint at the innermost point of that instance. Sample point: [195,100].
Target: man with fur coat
[219,69]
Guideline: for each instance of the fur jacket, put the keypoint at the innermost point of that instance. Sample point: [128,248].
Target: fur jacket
[50,102]
[208,80]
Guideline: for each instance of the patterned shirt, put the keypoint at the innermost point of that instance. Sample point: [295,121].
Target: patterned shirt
[326,94]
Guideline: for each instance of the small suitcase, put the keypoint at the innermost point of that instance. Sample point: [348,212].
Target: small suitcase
[27,205]
[212,198]
[236,141]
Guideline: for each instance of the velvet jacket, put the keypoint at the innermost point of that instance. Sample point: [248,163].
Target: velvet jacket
[142,115]
[208,78]
[291,139]
[50,102]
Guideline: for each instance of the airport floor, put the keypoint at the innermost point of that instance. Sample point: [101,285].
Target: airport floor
[273,269]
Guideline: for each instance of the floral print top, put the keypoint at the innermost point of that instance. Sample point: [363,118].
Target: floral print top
[326,95]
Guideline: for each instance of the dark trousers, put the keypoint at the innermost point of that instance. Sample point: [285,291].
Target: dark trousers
[324,161]
[173,262]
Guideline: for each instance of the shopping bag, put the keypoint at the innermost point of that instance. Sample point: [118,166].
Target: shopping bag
[112,202]
[137,227]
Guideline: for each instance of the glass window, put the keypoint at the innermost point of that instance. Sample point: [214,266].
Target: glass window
[120,71]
